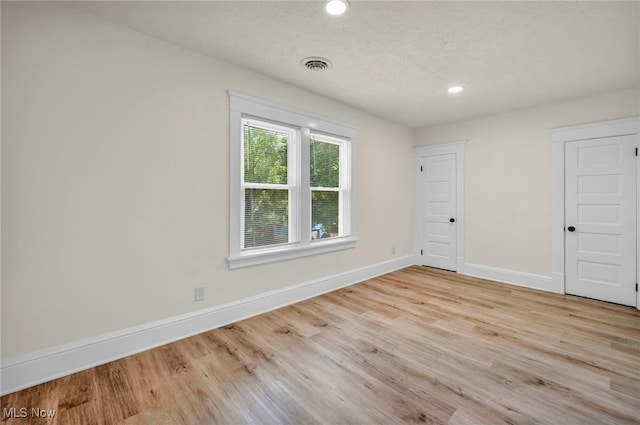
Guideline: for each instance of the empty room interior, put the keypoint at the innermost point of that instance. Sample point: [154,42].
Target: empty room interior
[320,212]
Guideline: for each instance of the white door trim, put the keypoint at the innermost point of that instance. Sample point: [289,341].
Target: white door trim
[457,148]
[560,136]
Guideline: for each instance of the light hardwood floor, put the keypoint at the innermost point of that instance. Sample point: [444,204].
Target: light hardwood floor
[417,345]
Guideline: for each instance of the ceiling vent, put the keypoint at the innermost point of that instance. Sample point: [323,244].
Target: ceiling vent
[316,63]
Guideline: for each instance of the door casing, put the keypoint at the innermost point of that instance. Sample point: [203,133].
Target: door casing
[560,136]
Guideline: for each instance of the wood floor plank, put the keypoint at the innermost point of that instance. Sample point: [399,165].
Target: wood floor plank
[418,345]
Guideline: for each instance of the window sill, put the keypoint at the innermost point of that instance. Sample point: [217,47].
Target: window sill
[272,255]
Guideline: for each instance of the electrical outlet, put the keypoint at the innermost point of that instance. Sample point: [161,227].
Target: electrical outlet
[393,250]
[199,294]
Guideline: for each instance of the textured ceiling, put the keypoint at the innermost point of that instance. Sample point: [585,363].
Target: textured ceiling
[397,59]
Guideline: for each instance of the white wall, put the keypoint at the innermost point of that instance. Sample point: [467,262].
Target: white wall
[508,177]
[115,180]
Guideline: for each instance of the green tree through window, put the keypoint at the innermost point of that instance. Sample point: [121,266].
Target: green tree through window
[325,187]
[266,214]
[265,156]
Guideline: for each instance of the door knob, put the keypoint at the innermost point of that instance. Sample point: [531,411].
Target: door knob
[571,229]
[452,220]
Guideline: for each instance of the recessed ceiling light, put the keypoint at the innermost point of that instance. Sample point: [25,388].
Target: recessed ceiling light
[455,89]
[336,7]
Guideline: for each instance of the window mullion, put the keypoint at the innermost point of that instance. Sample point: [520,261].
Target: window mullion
[342,184]
[345,190]
[305,191]
[293,181]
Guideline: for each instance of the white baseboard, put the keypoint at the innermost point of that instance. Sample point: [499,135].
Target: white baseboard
[42,366]
[528,280]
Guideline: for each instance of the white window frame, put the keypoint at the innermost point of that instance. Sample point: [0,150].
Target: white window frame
[343,188]
[300,243]
[293,177]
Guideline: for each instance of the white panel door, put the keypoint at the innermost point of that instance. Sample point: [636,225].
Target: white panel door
[600,222]
[438,241]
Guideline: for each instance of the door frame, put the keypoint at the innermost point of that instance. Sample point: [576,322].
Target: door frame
[560,136]
[458,149]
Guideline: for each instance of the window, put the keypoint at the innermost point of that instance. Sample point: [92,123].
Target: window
[327,186]
[290,183]
[268,187]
